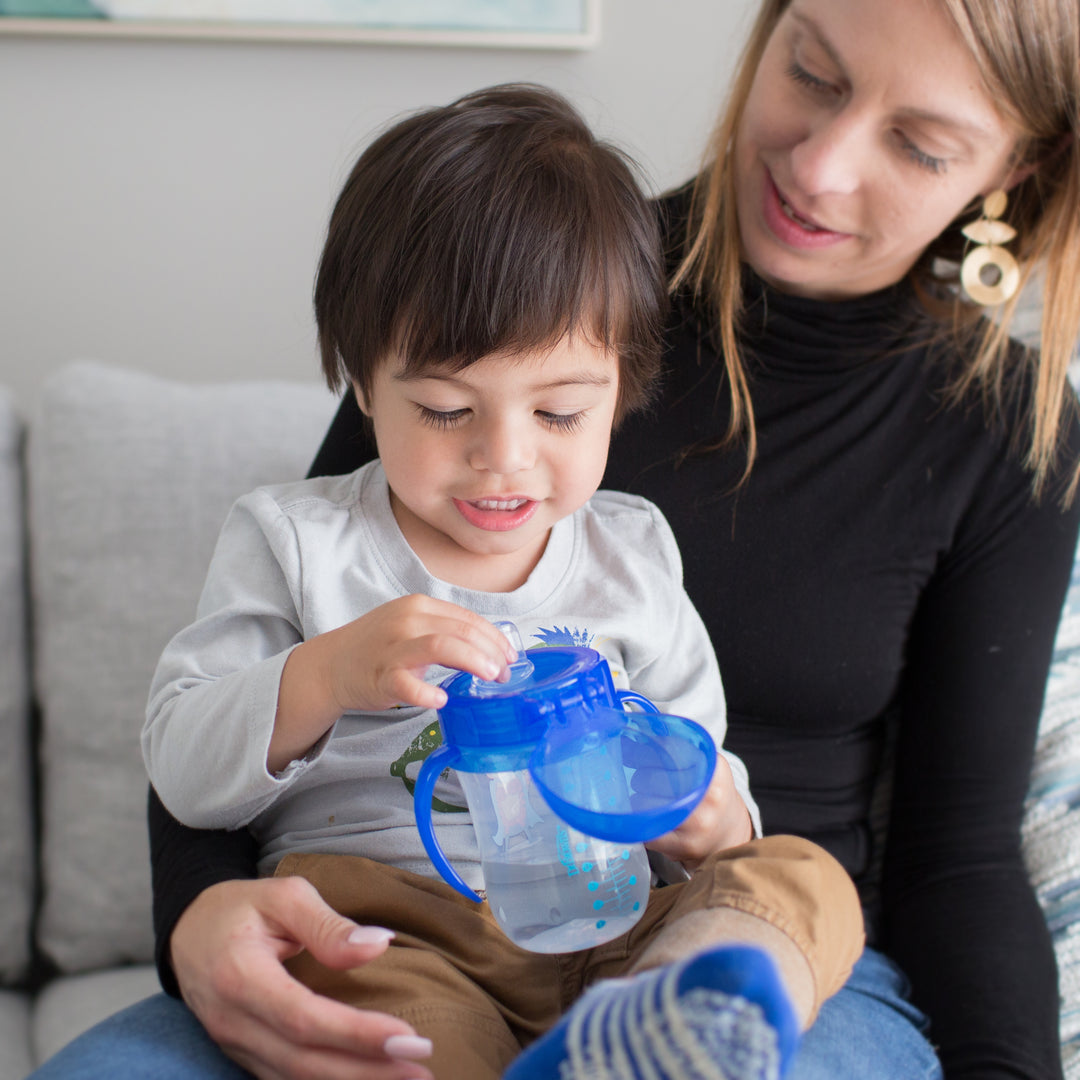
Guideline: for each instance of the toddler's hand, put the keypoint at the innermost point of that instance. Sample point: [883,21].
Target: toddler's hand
[719,821]
[380,659]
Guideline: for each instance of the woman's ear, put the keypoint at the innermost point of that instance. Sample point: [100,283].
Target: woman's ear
[1019,175]
[1030,165]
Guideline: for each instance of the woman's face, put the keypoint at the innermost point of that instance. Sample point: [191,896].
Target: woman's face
[866,131]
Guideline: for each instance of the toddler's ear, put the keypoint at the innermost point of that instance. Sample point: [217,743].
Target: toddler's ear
[361,398]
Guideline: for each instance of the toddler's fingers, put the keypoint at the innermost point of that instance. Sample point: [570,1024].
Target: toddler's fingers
[446,647]
[406,688]
[475,629]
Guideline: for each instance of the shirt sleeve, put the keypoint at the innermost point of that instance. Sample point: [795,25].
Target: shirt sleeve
[959,913]
[214,694]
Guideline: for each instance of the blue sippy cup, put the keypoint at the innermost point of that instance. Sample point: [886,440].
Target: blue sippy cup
[563,786]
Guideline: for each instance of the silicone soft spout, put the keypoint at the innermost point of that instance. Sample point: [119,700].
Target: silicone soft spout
[521,669]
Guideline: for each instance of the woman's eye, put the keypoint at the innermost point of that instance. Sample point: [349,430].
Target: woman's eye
[803,77]
[437,418]
[921,158]
[562,421]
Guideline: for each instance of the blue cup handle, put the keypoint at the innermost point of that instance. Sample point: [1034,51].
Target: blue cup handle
[641,700]
[443,757]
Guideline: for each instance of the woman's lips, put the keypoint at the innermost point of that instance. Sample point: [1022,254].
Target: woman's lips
[792,228]
[497,514]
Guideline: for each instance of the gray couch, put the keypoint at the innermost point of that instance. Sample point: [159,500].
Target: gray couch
[125,479]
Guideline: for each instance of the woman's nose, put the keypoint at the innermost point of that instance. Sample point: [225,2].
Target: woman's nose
[831,157]
[503,446]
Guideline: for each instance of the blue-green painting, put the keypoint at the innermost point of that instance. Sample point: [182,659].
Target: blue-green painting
[555,17]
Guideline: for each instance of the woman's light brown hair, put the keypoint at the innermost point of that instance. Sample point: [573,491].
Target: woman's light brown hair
[1028,52]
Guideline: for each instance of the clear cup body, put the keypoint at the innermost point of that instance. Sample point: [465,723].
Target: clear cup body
[551,888]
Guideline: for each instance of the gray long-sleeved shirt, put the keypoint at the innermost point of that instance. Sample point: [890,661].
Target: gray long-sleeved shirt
[296,560]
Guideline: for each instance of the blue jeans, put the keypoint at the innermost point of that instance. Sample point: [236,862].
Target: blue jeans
[157,1038]
[868,1031]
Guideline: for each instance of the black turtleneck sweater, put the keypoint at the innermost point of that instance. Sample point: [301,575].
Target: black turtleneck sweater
[884,569]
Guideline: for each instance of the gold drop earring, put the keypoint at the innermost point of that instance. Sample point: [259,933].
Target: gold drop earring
[989,233]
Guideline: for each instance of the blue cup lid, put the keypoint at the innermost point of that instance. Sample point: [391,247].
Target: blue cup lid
[621,776]
[488,715]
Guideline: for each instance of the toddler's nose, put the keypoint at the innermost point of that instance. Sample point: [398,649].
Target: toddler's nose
[504,447]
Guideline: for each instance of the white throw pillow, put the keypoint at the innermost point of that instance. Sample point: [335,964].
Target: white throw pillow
[130,477]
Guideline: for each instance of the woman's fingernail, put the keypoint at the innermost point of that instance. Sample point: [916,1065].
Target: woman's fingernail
[407,1046]
[370,935]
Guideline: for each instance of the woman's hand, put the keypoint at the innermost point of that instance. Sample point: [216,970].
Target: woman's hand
[227,951]
[378,661]
[719,821]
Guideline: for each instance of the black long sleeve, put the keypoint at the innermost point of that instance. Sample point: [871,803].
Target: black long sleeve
[183,863]
[962,919]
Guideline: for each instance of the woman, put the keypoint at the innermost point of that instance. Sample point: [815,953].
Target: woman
[873,494]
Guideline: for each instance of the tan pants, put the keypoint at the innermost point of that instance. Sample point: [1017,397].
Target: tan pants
[454,976]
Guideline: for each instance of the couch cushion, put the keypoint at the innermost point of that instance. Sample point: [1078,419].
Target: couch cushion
[130,477]
[16,1059]
[70,1005]
[1052,821]
[16,836]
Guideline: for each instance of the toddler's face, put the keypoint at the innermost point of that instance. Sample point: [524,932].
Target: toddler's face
[482,462]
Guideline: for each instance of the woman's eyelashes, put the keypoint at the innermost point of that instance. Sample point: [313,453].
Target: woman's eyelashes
[799,74]
[911,150]
[920,157]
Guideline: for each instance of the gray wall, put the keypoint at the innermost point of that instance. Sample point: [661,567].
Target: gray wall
[162,203]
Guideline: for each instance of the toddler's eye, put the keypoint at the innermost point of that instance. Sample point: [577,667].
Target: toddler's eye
[440,418]
[563,421]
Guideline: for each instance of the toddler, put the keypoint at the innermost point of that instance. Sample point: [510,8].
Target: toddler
[491,290]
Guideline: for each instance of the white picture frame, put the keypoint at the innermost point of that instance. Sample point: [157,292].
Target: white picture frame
[505,24]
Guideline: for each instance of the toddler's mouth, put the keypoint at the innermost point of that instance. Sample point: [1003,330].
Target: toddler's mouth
[498,504]
[497,515]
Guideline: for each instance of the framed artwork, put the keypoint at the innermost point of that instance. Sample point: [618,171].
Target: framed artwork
[537,24]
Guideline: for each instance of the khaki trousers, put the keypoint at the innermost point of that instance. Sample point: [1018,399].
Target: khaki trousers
[454,976]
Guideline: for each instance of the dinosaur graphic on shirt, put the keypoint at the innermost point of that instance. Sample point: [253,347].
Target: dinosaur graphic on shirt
[429,739]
